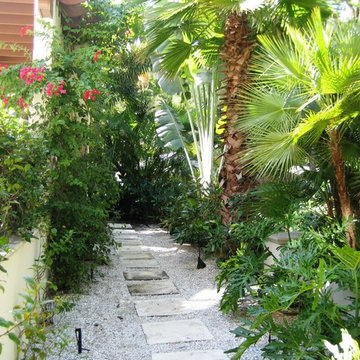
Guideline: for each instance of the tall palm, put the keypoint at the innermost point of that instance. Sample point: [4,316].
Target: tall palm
[200,30]
[305,92]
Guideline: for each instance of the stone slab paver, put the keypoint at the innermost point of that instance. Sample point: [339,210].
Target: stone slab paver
[133,242]
[127,238]
[128,255]
[124,231]
[176,331]
[158,287]
[120,226]
[139,263]
[163,307]
[145,275]
[169,307]
[192,355]
[133,248]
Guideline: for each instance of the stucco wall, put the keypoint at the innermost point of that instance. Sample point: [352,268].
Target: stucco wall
[18,265]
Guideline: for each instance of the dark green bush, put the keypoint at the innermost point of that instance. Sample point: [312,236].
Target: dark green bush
[193,216]
[22,167]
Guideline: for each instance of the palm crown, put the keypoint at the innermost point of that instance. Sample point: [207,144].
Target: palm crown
[306,88]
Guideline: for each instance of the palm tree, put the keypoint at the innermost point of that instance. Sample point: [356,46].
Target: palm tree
[201,30]
[305,93]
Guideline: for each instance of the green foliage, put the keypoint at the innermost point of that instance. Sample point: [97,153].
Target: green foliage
[193,217]
[242,271]
[22,162]
[298,283]
[31,328]
[239,274]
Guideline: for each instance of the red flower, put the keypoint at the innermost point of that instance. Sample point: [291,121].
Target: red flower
[21,103]
[5,101]
[96,55]
[86,95]
[3,66]
[89,94]
[25,31]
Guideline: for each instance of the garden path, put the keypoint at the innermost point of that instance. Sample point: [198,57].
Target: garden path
[153,304]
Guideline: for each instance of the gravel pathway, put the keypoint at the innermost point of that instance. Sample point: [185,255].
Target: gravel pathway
[111,326]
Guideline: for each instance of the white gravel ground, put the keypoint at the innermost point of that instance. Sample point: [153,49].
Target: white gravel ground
[110,325]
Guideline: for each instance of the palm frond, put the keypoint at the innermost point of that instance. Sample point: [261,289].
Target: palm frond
[174,56]
[291,61]
[274,155]
[264,110]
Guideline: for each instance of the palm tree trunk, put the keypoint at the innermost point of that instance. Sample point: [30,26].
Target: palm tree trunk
[339,169]
[236,56]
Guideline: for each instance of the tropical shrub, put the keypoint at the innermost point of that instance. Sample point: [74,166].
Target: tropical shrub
[298,284]
[193,217]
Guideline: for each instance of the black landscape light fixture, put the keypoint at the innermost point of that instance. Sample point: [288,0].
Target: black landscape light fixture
[78,336]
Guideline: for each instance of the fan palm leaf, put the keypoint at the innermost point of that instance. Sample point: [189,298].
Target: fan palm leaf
[325,86]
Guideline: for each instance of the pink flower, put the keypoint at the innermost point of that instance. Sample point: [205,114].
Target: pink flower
[25,31]
[5,101]
[96,55]
[56,90]
[48,89]
[61,87]
[30,74]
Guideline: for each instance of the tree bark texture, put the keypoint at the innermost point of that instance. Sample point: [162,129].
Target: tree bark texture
[236,55]
[340,178]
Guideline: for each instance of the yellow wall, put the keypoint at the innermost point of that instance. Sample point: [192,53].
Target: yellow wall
[18,265]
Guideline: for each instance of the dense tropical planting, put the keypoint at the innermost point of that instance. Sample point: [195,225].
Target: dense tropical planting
[225,124]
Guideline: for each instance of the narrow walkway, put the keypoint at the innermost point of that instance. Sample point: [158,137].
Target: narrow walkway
[153,304]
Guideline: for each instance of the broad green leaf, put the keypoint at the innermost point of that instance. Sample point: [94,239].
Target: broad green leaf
[5,323]
[14,338]
[244,346]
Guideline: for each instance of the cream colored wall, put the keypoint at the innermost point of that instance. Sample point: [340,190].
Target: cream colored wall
[23,255]
[18,265]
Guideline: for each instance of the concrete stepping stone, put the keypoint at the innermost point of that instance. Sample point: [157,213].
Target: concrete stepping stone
[145,275]
[163,307]
[120,226]
[129,255]
[192,355]
[158,287]
[139,263]
[133,248]
[127,238]
[125,231]
[176,331]
[133,242]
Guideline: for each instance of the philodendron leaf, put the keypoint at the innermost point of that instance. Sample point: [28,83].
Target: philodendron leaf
[348,256]
[244,346]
